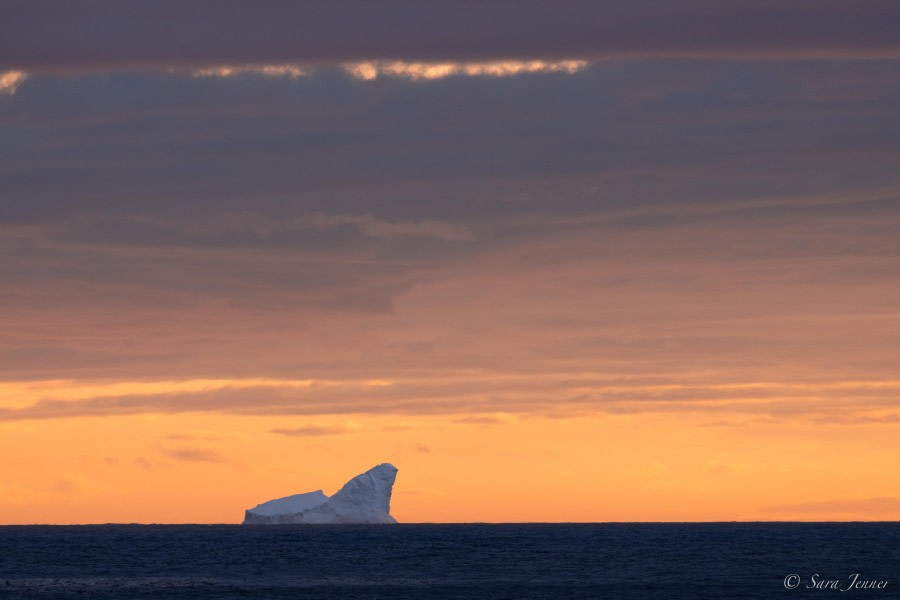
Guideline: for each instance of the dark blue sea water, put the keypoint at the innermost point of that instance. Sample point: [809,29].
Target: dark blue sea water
[668,561]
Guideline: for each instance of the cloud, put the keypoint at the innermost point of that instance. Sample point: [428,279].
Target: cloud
[188,454]
[480,398]
[417,71]
[194,437]
[328,144]
[378,228]
[414,71]
[268,70]
[877,505]
[480,420]
[77,485]
[10,80]
[74,485]
[15,495]
[145,463]
[310,431]
[703,222]
[717,467]
[125,35]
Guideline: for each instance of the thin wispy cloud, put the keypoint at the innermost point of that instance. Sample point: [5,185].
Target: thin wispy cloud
[380,228]
[310,431]
[189,454]
[480,420]
[878,505]
[862,402]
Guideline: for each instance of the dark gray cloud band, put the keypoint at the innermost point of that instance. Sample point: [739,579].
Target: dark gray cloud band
[116,35]
[661,218]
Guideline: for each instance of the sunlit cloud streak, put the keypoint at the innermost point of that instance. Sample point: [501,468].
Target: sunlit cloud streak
[406,70]
[417,71]
[267,70]
[10,80]
[861,401]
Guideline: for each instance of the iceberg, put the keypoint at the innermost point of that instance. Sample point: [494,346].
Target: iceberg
[364,499]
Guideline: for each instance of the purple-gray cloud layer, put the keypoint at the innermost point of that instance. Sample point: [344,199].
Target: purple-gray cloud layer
[127,34]
[709,222]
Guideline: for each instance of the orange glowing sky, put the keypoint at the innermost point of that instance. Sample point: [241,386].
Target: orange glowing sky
[567,283]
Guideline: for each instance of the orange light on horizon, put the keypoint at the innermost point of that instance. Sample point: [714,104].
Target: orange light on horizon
[208,468]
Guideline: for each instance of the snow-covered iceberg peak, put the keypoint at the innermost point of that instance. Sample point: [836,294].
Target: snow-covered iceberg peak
[368,495]
[364,499]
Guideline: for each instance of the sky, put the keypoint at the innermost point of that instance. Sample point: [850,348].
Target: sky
[582,261]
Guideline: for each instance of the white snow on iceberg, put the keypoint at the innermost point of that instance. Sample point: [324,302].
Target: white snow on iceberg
[364,499]
[290,504]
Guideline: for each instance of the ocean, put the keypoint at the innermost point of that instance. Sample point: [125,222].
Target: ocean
[606,560]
